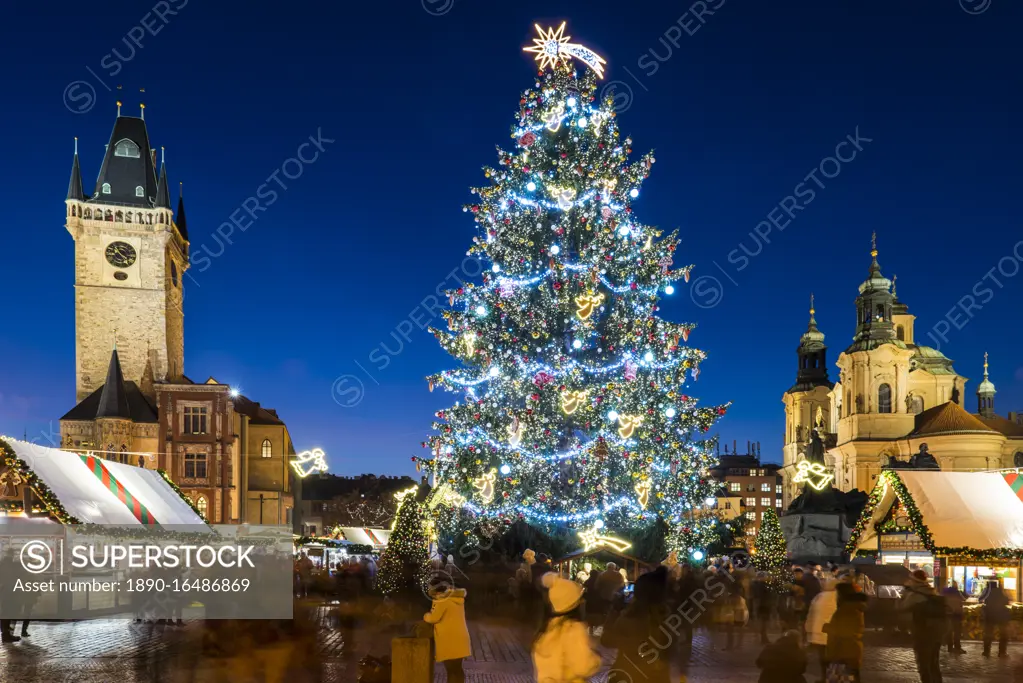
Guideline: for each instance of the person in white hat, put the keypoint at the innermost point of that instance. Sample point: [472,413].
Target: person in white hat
[562,651]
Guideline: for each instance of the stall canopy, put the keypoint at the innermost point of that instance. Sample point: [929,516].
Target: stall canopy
[376,538]
[951,512]
[96,491]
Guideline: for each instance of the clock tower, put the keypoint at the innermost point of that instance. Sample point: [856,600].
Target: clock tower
[130,256]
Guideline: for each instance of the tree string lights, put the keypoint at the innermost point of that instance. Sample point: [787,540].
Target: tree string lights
[573,390]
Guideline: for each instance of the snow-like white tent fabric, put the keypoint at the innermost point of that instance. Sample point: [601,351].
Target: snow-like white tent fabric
[978,510]
[373,537]
[85,497]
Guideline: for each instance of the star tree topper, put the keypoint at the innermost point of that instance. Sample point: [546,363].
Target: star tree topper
[553,47]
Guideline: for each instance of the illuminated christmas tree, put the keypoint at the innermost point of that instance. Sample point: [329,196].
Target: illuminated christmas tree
[574,405]
[403,565]
[769,551]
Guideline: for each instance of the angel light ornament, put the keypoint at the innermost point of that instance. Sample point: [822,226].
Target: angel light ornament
[587,303]
[307,462]
[552,119]
[485,485]
[643,492]
[470,342]
[571,400]
[565,198]
[627,424]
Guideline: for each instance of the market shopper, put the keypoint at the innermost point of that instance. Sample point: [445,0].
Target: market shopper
[930,624]
[996,616]
[845,635]
[955,599]
[450,632]
[822,609]
[562,652]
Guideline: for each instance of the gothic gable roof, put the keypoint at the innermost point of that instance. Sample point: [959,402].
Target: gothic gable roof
[140,410]
[125,173]
[948,418]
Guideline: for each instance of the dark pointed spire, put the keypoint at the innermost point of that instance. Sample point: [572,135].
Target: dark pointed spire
[74,188]
[812,358]
[179,217]
[113,401]
[127,166]
[162,191]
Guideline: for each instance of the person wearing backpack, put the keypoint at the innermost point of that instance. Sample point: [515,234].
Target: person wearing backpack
[930,624]
[996,615]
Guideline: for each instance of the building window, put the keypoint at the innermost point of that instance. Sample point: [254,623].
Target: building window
[1017,459]
[751,532]
[126,148]
[880,313]
[917,405]
[140,191]
[766,488]
[766,502]
[752,516]
[195,419]
[777,489]
[195,465]
[900,333]
[762,515]
[106,188]
[777,502]
[728,505]
[750,488]
[750,502]
[267,450]
[734,486]
[201,505]
[123,457]
[884,399]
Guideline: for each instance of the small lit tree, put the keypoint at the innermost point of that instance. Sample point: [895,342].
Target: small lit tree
[403,564]
[769,551]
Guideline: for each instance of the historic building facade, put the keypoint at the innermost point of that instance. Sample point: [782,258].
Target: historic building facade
[749,488]
[894,398]
[228,454]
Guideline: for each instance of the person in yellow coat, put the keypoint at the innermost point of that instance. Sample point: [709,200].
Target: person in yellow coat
[450,632]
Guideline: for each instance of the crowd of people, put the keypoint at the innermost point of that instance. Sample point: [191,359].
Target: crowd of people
[350,577]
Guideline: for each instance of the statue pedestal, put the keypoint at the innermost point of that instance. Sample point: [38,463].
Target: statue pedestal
[815,536]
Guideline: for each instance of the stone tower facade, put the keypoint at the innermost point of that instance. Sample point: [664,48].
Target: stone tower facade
[130,257]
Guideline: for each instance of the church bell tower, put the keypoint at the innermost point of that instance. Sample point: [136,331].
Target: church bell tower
[130,256]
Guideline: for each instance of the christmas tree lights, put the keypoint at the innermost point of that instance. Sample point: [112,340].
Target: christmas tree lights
[402,566]
[564,334]
[769,550]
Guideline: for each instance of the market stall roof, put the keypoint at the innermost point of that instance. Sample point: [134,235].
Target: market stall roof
[601,551]
[95,491]
[950,511]
[364,536]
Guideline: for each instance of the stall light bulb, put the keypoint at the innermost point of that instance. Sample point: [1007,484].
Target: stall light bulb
[633,193]
[669,290]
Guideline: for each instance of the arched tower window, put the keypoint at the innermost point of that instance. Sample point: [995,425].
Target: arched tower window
[106,188]
[126,148]
[884,399]
[267,450]
[879,314]
[917,405]
[140,191]
[88,213]
[119,216]
[201,504]
[900,333]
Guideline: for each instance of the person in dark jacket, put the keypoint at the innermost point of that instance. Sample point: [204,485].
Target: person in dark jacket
[954,599]
[930,624]
[765,601]
[845,631]
[638,635]
[996,616]
[783,661]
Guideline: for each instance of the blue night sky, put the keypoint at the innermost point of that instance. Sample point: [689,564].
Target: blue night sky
[740,109]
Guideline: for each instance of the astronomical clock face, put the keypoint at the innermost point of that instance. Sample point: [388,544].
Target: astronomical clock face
[121,254]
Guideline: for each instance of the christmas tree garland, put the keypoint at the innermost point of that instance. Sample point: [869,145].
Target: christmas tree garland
[43,492]
[917,525]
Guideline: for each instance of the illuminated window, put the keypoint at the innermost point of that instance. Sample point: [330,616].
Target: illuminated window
[766,488]
[777,489]
[126,148]
[777,502]
[752,516]
[750,502]
[751,532]
[268,450]
[884,399]
[201,505]
[106,188]
[766,502]
[139,192]
[734,486]
[195,420]
[195,465]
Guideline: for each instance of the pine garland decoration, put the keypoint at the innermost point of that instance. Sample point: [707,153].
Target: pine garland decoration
[43,492]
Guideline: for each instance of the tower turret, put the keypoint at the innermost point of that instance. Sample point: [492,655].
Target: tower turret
[986,394]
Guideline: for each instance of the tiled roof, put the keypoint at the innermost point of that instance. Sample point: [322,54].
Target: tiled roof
[1000,424]
[948,418]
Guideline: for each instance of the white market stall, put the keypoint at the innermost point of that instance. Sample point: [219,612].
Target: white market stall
[966,526]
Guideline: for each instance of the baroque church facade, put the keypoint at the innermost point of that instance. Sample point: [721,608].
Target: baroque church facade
[134,404]
[893,399]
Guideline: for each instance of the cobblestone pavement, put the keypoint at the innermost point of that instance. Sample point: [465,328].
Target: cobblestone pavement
[121,652]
